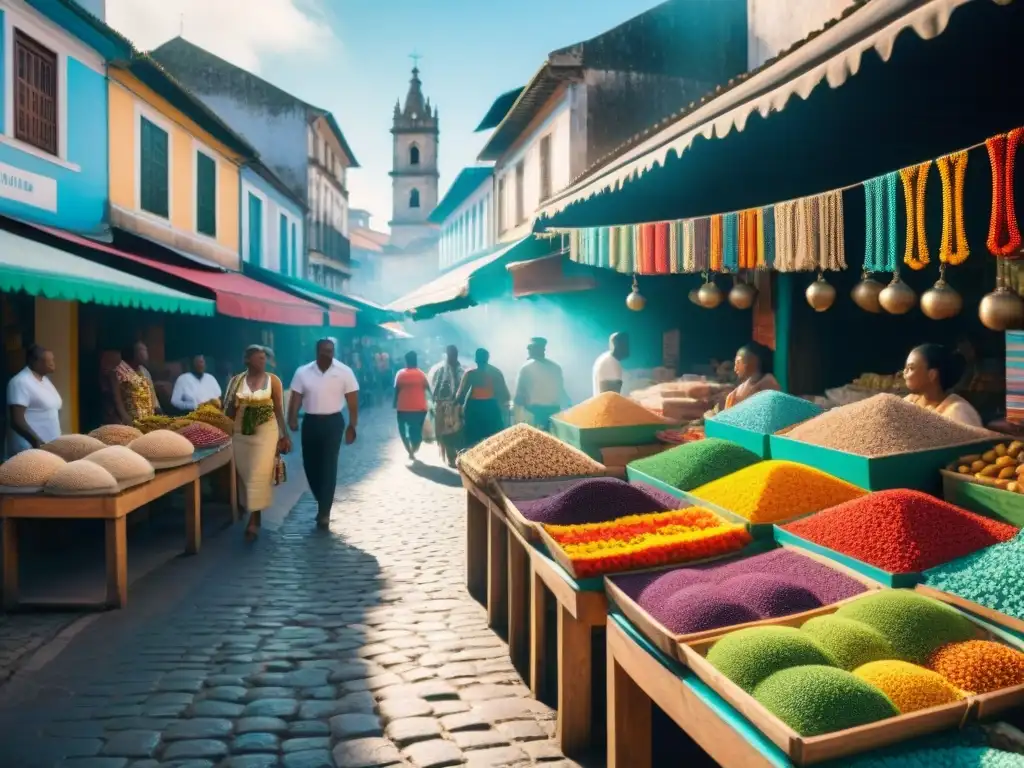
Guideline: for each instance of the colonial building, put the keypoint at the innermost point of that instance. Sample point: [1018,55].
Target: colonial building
[466,217]
[300,143]
[414,175]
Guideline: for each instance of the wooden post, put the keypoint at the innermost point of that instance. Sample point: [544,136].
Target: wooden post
[629,719]
[538,632]
[518,605]
[476,548]
[10,544]
[575,661]
[117,562]
[193,517]
[497,572]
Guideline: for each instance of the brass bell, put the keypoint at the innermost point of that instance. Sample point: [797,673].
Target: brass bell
[941,301]
[897,298]
[710,295]
[1002,310]
[820,294]
[693,297]
[636,301]
[865,294]
[742,295]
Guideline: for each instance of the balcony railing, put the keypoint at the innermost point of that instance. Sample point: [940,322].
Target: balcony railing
[329,241]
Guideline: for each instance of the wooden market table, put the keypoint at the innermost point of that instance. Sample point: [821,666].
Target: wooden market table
[114,511]
[640,675]
[581,607]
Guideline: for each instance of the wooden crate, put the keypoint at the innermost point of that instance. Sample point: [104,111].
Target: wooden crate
[816,749]
[508,492]
[669,643]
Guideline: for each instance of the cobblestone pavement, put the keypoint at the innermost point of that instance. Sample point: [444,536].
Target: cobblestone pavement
[354,648]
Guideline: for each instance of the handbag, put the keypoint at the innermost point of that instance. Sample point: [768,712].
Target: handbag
[428,430]
[280,470]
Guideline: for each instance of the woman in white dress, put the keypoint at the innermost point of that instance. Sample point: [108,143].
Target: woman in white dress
[255,400]
[33,403]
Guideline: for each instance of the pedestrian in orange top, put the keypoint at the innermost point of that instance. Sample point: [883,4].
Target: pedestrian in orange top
[410,400]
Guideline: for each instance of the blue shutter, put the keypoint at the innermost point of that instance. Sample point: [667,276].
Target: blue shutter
[282,246]
[295,252]
[255,230]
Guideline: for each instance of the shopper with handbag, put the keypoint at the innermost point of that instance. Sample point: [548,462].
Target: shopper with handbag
[444,384]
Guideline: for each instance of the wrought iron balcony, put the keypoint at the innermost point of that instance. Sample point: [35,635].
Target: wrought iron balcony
[325,239]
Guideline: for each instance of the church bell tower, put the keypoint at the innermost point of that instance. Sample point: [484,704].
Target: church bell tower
[414,175]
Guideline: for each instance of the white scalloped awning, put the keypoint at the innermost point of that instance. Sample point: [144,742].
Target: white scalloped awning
[834,55]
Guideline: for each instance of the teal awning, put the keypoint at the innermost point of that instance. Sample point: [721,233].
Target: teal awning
[41,270]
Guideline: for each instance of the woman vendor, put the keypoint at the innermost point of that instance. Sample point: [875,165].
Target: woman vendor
[750,370]
[931,373]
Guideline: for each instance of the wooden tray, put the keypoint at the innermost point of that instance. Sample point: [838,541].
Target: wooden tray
[556,553]
[893,580]
[817,749]
[669,643]
[968,606]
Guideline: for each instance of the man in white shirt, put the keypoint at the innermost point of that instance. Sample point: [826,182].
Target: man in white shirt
[33,403]
[540,386]
[322,389]
[194,388]
[608,373]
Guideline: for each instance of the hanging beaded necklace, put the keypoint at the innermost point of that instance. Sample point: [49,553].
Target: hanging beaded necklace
[730,242]
[880,223]
[915,183]
[952,170]
[808,230]
[716,243]
[832,232]
[785,237]
[1003,233]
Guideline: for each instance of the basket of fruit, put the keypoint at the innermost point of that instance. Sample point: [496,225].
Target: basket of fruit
[990,483]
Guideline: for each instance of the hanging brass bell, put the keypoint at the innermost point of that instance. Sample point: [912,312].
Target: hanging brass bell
[693,296]
[1002,310]
[820,294]
[709,295]
[865,294]
[742,295]
[941,301]
[897,298]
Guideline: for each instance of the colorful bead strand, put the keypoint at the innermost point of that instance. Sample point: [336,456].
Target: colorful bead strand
[1002,155]
[715,241]
[915,183]
[953,208]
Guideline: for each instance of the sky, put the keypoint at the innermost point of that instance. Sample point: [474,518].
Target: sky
[353,58]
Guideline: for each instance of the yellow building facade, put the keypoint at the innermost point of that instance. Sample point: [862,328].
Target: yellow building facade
[171,180]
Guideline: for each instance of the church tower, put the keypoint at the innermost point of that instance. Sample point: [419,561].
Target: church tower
[414,176]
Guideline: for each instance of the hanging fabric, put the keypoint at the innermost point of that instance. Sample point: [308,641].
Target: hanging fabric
[602,248]
[785,237]
[716,243]
[646,250]
[1004,237]
[832,246]
[731,242]
[915,183]
[952,170]
[661,253]
[766,238]
[750,228]
[676,247]
[627,250]
[702,245]
[880,223]
[690,246]
[808,237]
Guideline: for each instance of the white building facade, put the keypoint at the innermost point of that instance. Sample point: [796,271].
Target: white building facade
[466,218]
[775,25]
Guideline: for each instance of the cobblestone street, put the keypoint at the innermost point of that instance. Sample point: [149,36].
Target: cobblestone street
[354,648]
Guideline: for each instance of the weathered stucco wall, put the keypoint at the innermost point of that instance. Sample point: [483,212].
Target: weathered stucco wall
[774,25]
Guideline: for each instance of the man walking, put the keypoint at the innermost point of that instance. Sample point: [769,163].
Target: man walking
[194,388]
[540,387]
[608,375]
[323,388]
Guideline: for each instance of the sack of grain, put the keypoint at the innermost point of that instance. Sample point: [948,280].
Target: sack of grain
[73,447]
[81,478]
[127,467]
[28,471]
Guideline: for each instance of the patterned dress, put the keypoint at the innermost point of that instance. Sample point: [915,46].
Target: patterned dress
[137,392]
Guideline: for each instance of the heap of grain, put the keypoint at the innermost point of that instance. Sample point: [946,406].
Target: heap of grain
[884,425]
[212,415]
[81,478]
[29,470]
[73,447]
[609,409]
[691,465]
[523,452]
[127,467]
[149,424]
[203,435]
[115,434]
[767,412]
[164,449]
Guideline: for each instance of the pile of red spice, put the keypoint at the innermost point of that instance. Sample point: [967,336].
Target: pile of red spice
[901,531]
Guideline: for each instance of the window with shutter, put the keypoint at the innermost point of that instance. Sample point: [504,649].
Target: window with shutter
[282,247]
[255,230]
[35,93]
[154,172]
[206,195]
[295,251]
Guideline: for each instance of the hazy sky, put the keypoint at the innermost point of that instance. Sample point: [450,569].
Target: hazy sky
[352,57]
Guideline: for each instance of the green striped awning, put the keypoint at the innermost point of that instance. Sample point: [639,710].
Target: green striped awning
[41,270]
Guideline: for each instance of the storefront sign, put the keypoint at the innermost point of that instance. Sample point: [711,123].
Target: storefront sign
[28,188]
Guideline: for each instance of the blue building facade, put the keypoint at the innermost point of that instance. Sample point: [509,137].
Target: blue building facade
[53,114]
[272,223]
